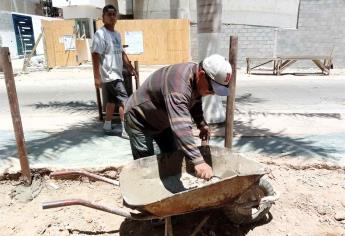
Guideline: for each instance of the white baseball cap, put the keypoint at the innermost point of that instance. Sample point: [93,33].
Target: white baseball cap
[219,70]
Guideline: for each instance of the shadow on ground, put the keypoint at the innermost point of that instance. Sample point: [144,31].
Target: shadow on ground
[48,145]
[248,99]
[217,224]
[267,143]
[57,142]
[71,107]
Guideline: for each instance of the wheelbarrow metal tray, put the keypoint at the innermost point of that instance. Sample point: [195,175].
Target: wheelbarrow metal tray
[153,184]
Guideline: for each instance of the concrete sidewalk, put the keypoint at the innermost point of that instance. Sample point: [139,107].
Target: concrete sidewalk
[275,116]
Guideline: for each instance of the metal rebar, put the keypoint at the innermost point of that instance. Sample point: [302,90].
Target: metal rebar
[85,173]
[137,81]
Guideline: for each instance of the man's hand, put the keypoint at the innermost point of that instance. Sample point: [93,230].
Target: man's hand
[134,73]
[204,133]
[98,82]
[203,171]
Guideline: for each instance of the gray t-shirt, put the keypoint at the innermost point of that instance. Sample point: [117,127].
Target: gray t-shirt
[108,45]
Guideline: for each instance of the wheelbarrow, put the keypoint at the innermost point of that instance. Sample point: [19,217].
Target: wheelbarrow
[161,186]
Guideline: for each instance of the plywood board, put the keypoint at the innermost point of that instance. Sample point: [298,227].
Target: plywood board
[165,41]
[54,34]
[83,50]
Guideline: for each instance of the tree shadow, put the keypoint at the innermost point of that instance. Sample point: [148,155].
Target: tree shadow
[72,106]
[261,140]
[336,116]
[56,142]
[247,99]
[278,144]
[264,141]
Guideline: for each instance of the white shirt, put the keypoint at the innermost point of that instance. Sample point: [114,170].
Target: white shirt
[108,45]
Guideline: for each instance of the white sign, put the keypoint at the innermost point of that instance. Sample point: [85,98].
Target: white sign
[135,42]
[69,42]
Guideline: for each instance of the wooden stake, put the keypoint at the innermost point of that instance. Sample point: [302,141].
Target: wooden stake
[136,67]
[27,60]
[99,104]
[230,101]
[5,62]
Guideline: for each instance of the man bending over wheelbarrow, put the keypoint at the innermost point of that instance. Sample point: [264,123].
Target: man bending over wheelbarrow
[163,107]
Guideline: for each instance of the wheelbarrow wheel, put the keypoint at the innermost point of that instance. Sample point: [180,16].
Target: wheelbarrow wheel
[249,208]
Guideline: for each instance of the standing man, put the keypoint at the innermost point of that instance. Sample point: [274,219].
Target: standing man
[108,58]
[163,107]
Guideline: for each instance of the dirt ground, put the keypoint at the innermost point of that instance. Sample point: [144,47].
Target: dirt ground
[312,202]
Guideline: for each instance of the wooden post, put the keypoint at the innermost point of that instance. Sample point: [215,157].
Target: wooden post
[136,67]
[27,60]
[5,62]
[99,104]
[230,101]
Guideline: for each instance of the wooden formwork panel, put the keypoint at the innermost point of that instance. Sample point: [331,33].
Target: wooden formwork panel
[83,50]
[164,41]
[54,32]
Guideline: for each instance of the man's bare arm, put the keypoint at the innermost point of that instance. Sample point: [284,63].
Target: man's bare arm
[95,66]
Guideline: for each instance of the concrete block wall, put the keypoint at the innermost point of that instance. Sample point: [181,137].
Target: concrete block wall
[321,29]
[253,41]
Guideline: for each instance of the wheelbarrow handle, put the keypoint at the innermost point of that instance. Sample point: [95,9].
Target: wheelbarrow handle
[84,173]
[117,211]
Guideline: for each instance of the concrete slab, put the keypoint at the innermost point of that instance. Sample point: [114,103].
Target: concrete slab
[286,117]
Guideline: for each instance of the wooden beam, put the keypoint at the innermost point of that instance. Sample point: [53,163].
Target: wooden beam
[99,104]
[136,67]
[5,61]
[248,65]
[27,60]
[321,66]
[230,101]
[285,65]
[263,63]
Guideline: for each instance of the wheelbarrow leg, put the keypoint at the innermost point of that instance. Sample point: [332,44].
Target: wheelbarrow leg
[200,225]
[168,227]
